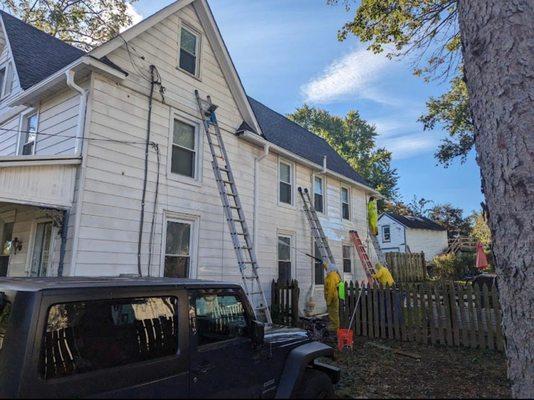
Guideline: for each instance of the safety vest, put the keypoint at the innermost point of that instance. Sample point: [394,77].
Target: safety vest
[341,290]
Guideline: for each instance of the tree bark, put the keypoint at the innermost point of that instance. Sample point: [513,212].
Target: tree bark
[498,50]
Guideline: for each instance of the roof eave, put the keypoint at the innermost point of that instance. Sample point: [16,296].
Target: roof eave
[31,94]
[258,140]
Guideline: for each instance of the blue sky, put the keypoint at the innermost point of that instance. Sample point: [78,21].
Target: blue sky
[287,53]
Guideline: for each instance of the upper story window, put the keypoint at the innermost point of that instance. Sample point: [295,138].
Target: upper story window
[184,149]
[318,194]
[286,183]
[28,134]
[189,49]
[386,233]
[6,80]
[345,203]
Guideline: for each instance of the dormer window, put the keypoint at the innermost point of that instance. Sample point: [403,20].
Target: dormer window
[6,80]
[29,134]
[189,49]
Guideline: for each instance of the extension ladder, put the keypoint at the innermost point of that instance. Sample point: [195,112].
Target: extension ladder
[316,229]
[379,252]
[364,258]
[235,216]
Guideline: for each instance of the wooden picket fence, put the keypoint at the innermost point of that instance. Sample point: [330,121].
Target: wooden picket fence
[407,267]
[430,313]
[285,302]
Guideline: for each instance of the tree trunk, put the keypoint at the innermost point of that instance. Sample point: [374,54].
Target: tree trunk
[498,51]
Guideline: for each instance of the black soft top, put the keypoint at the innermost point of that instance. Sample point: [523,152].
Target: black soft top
[39,284]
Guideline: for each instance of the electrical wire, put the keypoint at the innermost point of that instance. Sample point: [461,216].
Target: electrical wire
[155,209]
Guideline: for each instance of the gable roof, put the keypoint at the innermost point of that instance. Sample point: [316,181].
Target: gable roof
[291,136]
[415,222]
[36,54]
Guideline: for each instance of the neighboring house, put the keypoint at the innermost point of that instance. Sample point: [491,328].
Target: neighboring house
[407,234]
[73,128]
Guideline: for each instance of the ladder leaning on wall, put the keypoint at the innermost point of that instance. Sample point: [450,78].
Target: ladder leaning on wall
[233,210]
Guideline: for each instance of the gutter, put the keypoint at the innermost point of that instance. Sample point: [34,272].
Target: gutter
[33,161]
[260,141]
[257,160]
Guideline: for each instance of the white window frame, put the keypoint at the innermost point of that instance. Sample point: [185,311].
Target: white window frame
[9,75]
[323,184]
[383,228]
[351,256]
[199,142]
[292,183]
[349,204]
[31,245]
[22,129]
[194,222]
[198,35]
[292,252]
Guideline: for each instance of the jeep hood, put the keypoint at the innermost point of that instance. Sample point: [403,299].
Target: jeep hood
[284,336]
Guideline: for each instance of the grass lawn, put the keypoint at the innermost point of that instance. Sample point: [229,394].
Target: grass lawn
[441,372]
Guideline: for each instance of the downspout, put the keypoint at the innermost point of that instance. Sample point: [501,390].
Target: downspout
[63,248]
[257,160]
[80,150]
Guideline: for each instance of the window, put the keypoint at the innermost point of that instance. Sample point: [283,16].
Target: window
[347,259]
[216,317]
[184,149]
[42,245]
[5,239]
[188,51]
[286,187]
[318,197]
[29,134]
[386,233]
[345,204]
[318,264]
[6,80]
[178,249]
[93,335]
[284,258]
[2,79]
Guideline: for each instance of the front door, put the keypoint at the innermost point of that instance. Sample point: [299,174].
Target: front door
[41,249]
[224,362]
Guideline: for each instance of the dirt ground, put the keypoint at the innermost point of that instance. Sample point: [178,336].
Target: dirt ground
[441,372]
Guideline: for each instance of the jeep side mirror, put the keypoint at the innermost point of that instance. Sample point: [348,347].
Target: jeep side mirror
[258,332]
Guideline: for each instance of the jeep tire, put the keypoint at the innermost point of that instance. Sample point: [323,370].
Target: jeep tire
[315,385]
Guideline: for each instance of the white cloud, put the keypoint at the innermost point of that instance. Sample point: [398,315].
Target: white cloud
[136,16]
[407,146]
[350,75]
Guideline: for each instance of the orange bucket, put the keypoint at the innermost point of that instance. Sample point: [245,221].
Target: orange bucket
[345,338]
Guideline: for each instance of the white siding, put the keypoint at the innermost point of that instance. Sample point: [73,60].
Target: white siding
[428,241]
[397,242]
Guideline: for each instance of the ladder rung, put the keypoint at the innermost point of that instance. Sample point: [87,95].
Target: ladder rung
[254,293]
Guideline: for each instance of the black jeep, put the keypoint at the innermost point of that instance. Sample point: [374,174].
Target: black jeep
[155,338]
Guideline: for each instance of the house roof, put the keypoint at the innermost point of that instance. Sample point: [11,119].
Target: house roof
[415,222]
[289,135]
[38,55]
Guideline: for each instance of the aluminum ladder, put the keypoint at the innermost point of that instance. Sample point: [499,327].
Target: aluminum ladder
[379,252]
[233,210]
[316,229]
[364,258]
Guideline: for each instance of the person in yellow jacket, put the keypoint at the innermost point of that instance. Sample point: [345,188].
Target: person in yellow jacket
[331,295]
[372,213]
[383,276]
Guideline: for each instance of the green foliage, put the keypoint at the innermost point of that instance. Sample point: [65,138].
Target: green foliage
[480,229]
[354,139]
[427,32]
[450,218]
[84,24]
[452,266]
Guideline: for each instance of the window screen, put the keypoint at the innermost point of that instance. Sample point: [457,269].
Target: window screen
[183,149]
[284,258]
[188,51]
[318,194]
[216,317]
[178,249]
[92,335]
[345,209]
[285,183]
[347,259]
[386,233]
[319,270]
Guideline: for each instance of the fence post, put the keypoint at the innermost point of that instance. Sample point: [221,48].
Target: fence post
[295,295]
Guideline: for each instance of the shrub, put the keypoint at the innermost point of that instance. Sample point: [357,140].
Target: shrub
[454,266]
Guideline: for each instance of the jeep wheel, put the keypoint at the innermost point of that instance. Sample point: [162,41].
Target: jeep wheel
[315,385]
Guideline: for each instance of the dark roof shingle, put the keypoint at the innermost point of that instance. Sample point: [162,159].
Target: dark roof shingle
[289,135]
[416,222]
[37,55]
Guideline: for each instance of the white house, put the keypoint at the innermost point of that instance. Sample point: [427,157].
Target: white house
[73,136]
[408,234]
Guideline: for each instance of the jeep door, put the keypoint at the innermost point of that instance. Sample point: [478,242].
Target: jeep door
[224,362]
[129,342]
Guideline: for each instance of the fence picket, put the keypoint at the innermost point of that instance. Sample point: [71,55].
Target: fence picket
[480,322]
[453,304]
[473,339]
[376,316]
[498,324]
[463,322]
[488,315]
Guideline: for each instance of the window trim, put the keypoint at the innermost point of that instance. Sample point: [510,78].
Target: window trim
[198,35]
[348,204]
[195,180]
[383,228]
[315,284]
[31,246]
[323,184]
[194,222]
[22,122]
[351,258]
[292,183]
[292,252]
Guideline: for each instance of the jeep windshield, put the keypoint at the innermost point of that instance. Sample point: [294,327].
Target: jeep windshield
[5,312]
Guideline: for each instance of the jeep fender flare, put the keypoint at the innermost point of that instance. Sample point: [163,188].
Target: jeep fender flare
[296,363]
